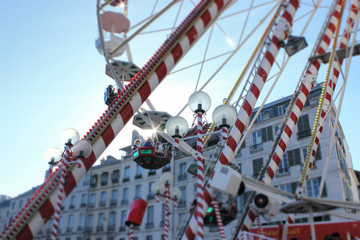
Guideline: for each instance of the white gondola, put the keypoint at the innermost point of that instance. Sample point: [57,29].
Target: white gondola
[111,43]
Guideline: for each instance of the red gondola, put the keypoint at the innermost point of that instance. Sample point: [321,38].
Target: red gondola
[149,158]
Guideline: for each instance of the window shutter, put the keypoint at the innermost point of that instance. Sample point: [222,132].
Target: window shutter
[297,156]
[263,135]
[270,133]
[318,153]
[293,187]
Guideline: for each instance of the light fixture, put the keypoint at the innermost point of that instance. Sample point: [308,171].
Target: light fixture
[175,194]
[295,44]
[224,116]
[70,136]
[52,155]
[199,102]
[82,149]
[176,126]
[157,188]
[167,178]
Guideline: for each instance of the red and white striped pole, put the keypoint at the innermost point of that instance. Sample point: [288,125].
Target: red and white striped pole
[305,88]
[131,231]
[218,218]
[200,179]
[167,197]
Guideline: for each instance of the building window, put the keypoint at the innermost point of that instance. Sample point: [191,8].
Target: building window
[152,172]
[149,237]
[314,100]
[137,191]
[84,199]
[81,222]
[102,199]
[267,134]
[312,188]
[182,201]
[284,165]
[93,180]
[257,165]
[303,127]
[114,196]
[112,218]
[92,200]
[150,193]
[276,129]
[115,176]
[256,141]
[294,157]
[281,110]
[72,202]
[100,226]
[122,220]
[125,196]
[87,179]
[286,187]
[89,225]
[126,174]
[138,172]
[182,173]
[70,223]
[181,217]
[104,178]
[318,153]
[150,217]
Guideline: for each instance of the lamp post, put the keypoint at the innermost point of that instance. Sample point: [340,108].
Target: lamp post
[199,103]
[162,189]
[73,150]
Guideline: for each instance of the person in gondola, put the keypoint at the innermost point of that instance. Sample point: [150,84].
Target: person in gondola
[148,143]
[137,144]
[159,148]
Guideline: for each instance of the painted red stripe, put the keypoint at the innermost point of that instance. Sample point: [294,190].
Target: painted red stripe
[161,71]
[270,173]
[189,233]
[282,145]
[223,160]
[231,142]
[337,15]
[25,234]
[321,128]
[247,107]
[299,104]
[336,72]
[206,18]
[323,113]
[270,57]
[219,4]
[316,64]
[293,117]
[126,113]
[276,158]
[326,39]
[288,131]
[88,162]
[108,135]
[192,34]
[70,183]
[240,125]
[262,73]
[255,90]
[313,153]
[304,90]
[46,210]
[287,16]
[145,91]
[177,53]
[317,141]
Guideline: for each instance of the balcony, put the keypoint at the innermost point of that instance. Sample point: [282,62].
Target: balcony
[182,177]
[103,183]
[115,180]
[124,202]
[80,228]
[150,196]
[69,229]
[99,228]
[111,227]
[88,229]
[122,228]
[126,179]
[113,202]
[149,225]
[166,169]
[151,173]
[102,203]
[137,176]
[71,206]
[83,205]
[283,171]
[91,205]
[256,147]
[304,133]
[181,204]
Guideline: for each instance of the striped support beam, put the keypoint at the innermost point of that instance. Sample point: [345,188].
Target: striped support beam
[41,207]
[330,90]
[243,117]
[252,96]
[200,179]
[224,133]
[176,143]
[131,231]
[218,218]
[305,88]
[167,197]
[261,229]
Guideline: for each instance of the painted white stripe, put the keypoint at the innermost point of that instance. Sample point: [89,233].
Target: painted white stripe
[117,124]
[185,45]
[77,172]
[213,10]
[153,82]
[135,102]
[98,147]
[36,222]
[199,26]
[169,62]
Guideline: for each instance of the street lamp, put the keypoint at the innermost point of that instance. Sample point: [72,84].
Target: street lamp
[162,189]
[176,127]
[73,151]
[199,102]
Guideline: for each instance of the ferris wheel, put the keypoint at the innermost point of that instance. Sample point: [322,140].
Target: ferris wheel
[220,58]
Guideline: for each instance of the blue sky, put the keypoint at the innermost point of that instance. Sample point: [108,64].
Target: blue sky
[53,78]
